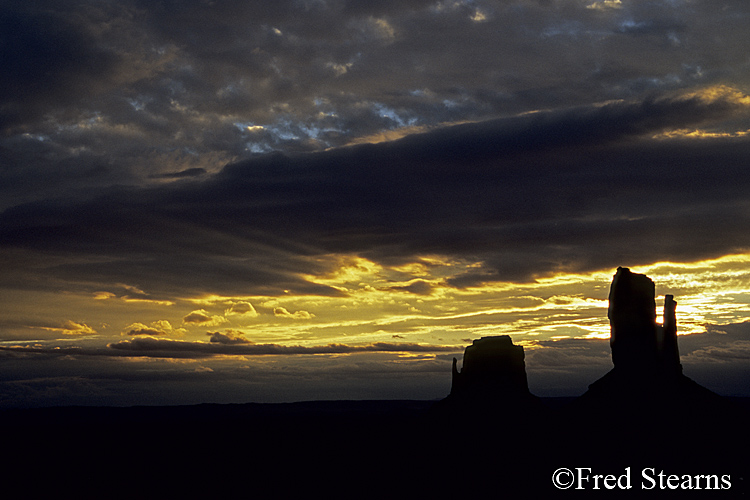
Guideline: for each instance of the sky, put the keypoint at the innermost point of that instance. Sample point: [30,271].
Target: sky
[238,201]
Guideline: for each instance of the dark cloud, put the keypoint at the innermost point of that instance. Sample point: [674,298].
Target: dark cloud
[141,329]
[718,359]
[220,344]
[190,172]
[127,80]
[135,93]
[46,379]
[577,190]
[569,355]
[566,367]
[418,287]
[49,59]
[38,375]
[719,343]
[176,348]
[228,337]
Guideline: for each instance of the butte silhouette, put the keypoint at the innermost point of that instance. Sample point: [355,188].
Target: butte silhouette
[646,384]
[491,381]
[643,412]
[647,368]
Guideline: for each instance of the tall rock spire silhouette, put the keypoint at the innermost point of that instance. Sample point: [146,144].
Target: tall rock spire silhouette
[645,410]
[638,343]
[646,358]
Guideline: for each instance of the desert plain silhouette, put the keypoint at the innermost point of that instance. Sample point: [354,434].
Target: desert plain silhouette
[489,437]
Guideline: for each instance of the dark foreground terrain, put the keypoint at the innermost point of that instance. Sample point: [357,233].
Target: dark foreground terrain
[371,449]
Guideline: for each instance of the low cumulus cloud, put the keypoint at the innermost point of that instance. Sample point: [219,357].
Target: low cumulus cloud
[64,329]
[244,309]
[281,312]
[72,328]
[203,318]
[156,328]
[229,336]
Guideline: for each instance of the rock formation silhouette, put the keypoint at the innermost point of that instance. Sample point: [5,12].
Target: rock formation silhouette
[492,367]
[638,343]
[645,409]
[647,369]
[492,379]
[646,358]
